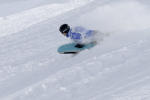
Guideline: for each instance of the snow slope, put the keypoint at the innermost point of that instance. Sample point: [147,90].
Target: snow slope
[14,6]
[116,69]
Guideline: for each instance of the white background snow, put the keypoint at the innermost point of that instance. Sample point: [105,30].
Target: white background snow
[118,68]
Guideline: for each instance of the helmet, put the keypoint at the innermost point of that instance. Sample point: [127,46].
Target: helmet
[64,28]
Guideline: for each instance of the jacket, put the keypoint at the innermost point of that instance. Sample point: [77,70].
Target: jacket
[79,34]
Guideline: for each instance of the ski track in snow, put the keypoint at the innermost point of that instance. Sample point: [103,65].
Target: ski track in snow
[116,69]
[81,80]
[21,21]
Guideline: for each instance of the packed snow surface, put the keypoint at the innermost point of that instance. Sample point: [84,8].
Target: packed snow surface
[117,68]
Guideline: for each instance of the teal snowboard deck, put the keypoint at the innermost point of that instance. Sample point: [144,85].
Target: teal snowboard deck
[71,49]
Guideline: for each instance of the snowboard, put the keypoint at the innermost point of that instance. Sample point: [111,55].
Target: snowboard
[71,49]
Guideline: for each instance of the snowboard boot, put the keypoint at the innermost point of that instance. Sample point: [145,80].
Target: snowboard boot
[79,45]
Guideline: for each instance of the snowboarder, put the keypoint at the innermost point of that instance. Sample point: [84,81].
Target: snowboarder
[78,34]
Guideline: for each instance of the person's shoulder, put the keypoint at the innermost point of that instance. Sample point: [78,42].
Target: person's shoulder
[78,28]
